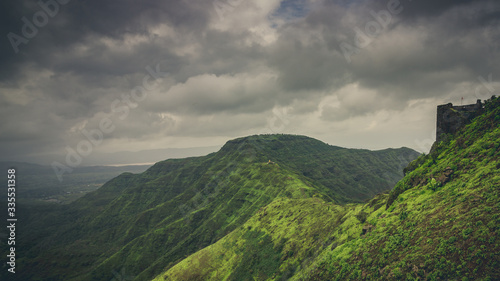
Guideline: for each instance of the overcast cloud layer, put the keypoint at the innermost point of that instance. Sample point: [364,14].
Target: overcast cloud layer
[364,74]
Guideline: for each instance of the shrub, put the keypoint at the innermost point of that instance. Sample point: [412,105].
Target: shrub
[403,215]
[466,232]
[361,216]
[433,185]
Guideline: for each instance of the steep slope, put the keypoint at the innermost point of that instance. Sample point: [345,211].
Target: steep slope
[272,244]
[441,222]
[148,222]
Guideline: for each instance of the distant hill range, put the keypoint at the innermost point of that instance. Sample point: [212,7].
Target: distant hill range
[38,182]
[138,225]
[142,157]
[147,156]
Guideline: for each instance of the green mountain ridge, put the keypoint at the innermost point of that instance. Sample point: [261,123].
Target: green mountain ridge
[145,223]
[440,222]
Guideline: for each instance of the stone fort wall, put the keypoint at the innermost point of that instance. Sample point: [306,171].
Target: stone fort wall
[451,118]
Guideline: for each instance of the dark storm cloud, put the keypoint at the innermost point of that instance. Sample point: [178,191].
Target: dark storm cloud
[423,50]
[59,75]
[225,76]
[444,49]
[429,8]
[80,23]
[12,12]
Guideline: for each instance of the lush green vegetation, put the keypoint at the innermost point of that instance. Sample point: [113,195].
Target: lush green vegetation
[281,207]
[146,223]
[441,222]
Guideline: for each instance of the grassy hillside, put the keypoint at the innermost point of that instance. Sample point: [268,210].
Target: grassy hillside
[441,222]
[138,225]
[350,175]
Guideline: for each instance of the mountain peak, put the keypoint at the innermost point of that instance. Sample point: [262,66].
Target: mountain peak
[268,142]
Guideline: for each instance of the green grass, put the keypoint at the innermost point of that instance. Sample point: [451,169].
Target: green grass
[441,222]
[146,223]
[312,215]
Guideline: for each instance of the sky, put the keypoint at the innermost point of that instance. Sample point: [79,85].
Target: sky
[83,78]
